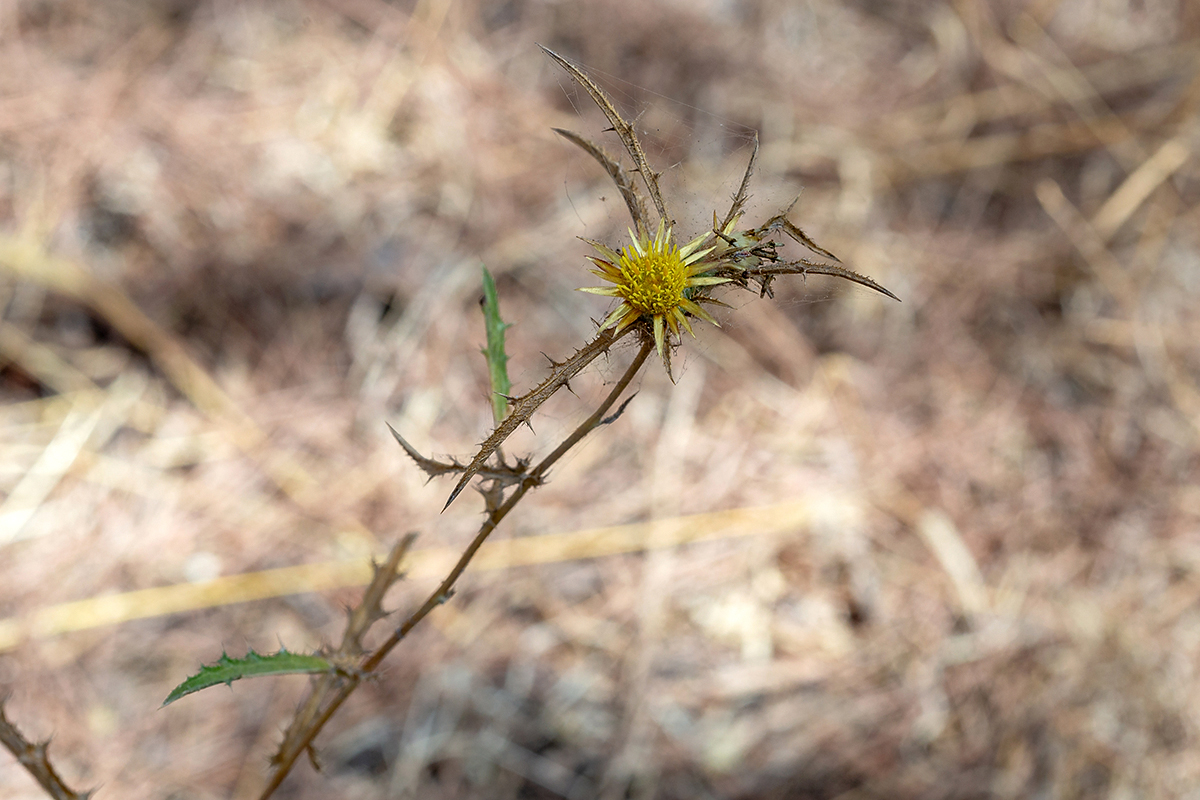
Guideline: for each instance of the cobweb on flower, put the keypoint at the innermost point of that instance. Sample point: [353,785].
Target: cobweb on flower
[701,155]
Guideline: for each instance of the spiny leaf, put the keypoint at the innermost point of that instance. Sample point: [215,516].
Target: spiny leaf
[497,359]
[805,267]
[623,129]
[617,414]
[620,176]
[254,665]
[743,192]
[506,474]
[429,466]
[792,230]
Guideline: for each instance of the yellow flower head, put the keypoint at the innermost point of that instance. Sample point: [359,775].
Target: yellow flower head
[650,277]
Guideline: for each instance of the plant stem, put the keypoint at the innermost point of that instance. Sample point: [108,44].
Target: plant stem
[35,759]
[445,588]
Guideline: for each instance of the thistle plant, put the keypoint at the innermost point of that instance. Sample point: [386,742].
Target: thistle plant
[660,287]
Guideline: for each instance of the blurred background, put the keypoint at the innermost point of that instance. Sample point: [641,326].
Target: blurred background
[943,548]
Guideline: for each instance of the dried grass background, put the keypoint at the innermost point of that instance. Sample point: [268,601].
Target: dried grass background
[948,548]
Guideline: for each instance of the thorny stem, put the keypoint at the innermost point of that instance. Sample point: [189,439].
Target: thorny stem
[442,593]
[522,409]
[296,740]
[534,478]
[34,758]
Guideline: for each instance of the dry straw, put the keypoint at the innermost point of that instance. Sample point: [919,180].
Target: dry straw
[1021,599]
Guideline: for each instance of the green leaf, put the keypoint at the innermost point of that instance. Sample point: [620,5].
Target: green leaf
[494,352]
[254,665]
